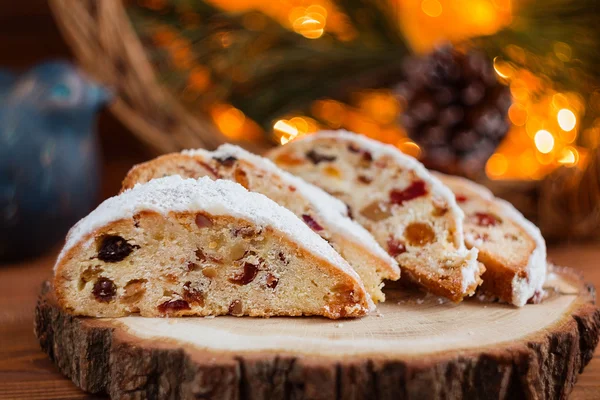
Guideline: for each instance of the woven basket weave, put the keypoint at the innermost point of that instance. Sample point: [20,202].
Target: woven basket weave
[107,47]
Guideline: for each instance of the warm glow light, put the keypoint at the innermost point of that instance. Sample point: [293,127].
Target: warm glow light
[544,141]
[409,147]
[433,8]
[496,166]
[502,68]
[285,127]
[566,119]
[310,21]
[569,156]
[517,114]
[230,121]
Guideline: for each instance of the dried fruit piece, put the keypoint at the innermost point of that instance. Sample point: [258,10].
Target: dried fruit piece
[272,281]
[202,221]
[134,290]
[376,211]
[312,224]
[395,247]
[91,273]
[486,219]
[173,305]
[210,168]
[192,266]
[193,295]
[246,276]
[416,189]
[288,159]
[226,161]
[317,158]
[209,272]
[352,148]
[332,171]
[235,308]
[461,198]
[241,177]
[114,248]
[104,290]
[419,234]
[364,179]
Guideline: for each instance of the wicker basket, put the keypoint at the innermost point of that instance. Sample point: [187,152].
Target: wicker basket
[107,47]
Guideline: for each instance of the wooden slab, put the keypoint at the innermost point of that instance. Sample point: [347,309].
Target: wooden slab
[417,347]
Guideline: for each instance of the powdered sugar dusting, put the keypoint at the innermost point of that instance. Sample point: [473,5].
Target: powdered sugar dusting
[329,209]
[221,197]
[523,288]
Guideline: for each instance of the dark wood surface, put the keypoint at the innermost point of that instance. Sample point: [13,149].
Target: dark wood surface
[27,373]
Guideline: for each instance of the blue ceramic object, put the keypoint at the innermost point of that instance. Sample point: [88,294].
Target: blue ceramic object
[49,161]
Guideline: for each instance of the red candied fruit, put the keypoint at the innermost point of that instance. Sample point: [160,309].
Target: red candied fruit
[312,224]
[395,247]
[486,219]
[416,189]
[461,198]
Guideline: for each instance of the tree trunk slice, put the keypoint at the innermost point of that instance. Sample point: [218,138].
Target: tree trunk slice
[419,347]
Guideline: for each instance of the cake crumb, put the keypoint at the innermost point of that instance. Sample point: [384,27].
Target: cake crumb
[209,316]
[471,333]
[339,325]
[420,301]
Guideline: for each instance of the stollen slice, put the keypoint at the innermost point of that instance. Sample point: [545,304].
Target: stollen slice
[511,248]
[408,211]
[179,247]
[324,214]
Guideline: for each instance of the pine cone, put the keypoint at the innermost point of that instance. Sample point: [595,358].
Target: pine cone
[456,109]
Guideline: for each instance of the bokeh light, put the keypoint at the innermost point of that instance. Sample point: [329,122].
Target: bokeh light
[566,119]
[544,141]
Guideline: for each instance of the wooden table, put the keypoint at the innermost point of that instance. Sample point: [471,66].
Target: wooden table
[26,372]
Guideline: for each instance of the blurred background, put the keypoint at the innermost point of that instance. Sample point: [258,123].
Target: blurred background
[505,92]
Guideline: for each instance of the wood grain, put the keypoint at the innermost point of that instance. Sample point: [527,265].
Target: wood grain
[27,373]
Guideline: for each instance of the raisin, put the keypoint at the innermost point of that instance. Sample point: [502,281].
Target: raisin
[170,306]
[461,198]
[235,308]
[134,290]
[226,161]
[240,177]
[366,157]
[283,258]
[202,221]
[376,211]
[419,234]
[272,281]
[193,295]
[486,219]
[312,224]
[104,290]
[416,189]
[292,188]
[364,179]
[114,248]
[395,247]
[316,158]
[245,277]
